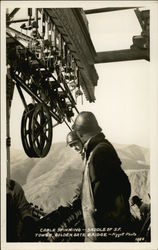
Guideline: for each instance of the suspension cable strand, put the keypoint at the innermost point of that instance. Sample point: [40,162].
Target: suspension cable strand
[67,125]
[22,96]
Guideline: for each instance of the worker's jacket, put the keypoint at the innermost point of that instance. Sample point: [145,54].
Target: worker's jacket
[104,181]
[87,199]
[144,211]
[18,210]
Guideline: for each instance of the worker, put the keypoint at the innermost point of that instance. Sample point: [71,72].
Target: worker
[106,188]
[20,220]
[145,220]
[143,207]
[73,141]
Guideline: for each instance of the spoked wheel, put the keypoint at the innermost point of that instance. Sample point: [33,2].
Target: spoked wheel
[41,130]
[26,130]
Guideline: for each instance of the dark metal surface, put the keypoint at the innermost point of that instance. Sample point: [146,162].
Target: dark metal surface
[121,55]
[101,10]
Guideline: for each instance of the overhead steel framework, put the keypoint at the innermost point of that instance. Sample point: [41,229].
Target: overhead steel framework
[53,65]
[51,57]
[139,50]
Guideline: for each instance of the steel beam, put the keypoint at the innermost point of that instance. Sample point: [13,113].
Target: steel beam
[20,20]
[121,55]
[12,14]
[100,10]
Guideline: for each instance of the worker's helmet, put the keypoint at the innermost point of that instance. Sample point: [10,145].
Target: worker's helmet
[72,138]
[135,200]
[86,122]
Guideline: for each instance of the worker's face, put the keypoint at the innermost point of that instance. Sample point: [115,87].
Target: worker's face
[82,137]
[77,146]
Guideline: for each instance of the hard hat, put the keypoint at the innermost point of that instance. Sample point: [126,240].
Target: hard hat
[86,122]
[71,138]
[135,200]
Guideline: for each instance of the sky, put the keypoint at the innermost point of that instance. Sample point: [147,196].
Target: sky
[122,104]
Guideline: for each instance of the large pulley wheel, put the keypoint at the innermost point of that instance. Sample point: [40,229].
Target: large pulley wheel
[41,130]
[25,130]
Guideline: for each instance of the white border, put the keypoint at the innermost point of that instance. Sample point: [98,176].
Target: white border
[154,127]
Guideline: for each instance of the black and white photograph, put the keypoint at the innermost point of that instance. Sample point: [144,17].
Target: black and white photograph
[79,125]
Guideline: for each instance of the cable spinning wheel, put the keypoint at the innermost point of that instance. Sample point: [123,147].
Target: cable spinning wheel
[26,130]
[36,129]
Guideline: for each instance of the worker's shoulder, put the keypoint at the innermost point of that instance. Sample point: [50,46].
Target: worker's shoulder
[101,151]
[104,146]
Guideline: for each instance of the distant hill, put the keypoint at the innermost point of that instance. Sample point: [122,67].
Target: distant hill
[23,168]
[133,156]
[53,180]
